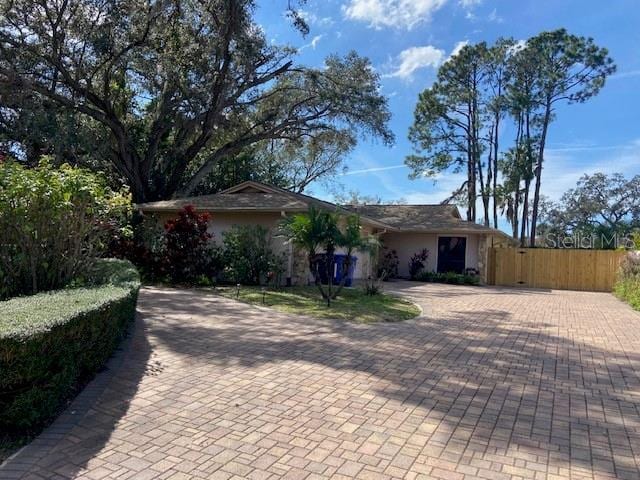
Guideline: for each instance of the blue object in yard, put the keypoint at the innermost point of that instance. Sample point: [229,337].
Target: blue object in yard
[338,269]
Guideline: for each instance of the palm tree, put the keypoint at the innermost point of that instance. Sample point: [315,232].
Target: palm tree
[320,230]
[313,231]
[351,239]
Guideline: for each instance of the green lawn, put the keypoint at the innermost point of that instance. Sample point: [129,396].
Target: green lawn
[352,304]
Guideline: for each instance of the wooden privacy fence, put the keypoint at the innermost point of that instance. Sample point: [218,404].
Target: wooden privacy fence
[591,270]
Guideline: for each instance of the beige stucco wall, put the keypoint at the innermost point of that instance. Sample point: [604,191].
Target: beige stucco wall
[223,221]
[406,244]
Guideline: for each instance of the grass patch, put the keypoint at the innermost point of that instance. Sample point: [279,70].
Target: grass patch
[352,304]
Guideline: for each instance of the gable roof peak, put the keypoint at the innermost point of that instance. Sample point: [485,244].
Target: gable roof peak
[249,185]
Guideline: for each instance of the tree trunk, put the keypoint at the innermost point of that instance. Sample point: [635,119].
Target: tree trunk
[538,173]
[330,258]
[484,193]
[469,177]
[525,212]
[313,268]
[345,271]
[495,170]
[527,180]
[516,206]
[486,186]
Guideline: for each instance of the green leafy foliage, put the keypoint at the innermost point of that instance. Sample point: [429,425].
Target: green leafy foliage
[248,257]
[448,277]
[186,245]
[51,342]
[181,252]
[604,207]
[292,164]
[144,247]
[388,264]
[174,87]
[627,286]
[417,262]
[54,223]
[459,119]
[324,230]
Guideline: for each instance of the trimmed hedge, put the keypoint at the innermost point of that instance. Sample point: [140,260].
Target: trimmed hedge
[52,342]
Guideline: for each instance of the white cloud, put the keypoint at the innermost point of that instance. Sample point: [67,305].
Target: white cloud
[374,169]
[627,74]
[494,17]
[315,41]
[313,19]
[457,47]
[313,44]
[469,3]
[415,58]
[469,6]
[519,45]
[392,13]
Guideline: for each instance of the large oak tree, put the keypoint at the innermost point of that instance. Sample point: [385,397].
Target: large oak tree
[179,85]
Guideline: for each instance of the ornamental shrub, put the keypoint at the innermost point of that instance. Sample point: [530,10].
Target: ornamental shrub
[53,342]
[187,246]
[248,257]
[627,286]
[417,263]
[54,223]
[388,265]
[181,252]
[449,277]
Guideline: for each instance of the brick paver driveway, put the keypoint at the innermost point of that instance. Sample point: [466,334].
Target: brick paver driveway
[490,383]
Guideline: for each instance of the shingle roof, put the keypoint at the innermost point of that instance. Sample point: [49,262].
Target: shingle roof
[256,196]
[249,196]
[231,201]
[421,218]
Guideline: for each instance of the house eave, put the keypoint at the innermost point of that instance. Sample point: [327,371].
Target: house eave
[456,230]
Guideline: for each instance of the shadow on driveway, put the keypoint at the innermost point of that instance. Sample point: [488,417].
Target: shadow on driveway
[524,382]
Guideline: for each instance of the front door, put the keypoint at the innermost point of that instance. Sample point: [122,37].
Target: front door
[451,254]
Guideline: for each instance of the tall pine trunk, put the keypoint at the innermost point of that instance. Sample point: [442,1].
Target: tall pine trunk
[496,150]
[538,173]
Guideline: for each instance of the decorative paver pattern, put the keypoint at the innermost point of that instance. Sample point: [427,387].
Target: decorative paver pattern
[489,384]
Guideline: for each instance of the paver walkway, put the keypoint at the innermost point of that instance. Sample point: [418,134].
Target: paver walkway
[491,383]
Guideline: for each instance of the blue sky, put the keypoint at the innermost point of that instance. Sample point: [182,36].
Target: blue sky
[407,39]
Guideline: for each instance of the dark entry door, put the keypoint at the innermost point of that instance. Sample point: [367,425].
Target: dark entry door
[451,254]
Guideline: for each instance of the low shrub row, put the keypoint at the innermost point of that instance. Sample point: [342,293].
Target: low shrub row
[628,289]
[627,286]
[449,277]
[51,343]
